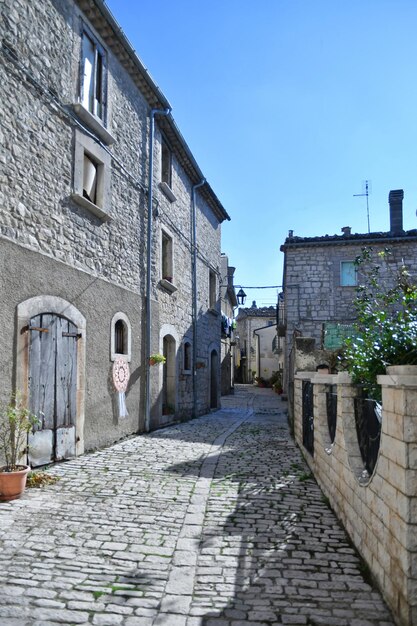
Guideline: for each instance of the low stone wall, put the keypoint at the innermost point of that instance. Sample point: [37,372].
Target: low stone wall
[379,511]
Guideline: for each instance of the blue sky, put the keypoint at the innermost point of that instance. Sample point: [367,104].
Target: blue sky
[288,107]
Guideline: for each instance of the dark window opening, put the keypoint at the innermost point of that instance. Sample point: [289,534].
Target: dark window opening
[166,164]
[187,356]
[120,337]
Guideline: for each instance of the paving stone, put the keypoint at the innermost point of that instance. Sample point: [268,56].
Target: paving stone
[204,523]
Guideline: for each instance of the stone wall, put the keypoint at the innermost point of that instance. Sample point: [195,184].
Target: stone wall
[52,243]
[378,511]
[313,293]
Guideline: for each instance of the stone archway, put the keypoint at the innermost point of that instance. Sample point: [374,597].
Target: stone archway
[42,315]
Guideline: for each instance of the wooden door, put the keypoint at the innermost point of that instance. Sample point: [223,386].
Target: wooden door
[52,387]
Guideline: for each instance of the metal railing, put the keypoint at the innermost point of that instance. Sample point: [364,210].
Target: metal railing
[368,418]
[308,416]
[331,407]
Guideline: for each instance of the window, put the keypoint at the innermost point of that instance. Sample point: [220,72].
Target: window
[166,254]
[212,290]
[93,75]
[348,274]
[187,356]
[166,164]
[120,337]
[91,176]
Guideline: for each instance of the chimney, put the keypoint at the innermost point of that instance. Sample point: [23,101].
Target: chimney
[346,230]
[395,200]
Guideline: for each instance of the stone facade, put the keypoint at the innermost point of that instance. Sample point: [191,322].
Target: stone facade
[377,510]
[268,350]
[248,320]
[228,338]
[89,253]
[315,299]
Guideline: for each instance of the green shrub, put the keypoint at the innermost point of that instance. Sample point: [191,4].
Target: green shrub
[386,326]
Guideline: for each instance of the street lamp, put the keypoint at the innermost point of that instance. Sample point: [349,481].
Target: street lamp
[241,297]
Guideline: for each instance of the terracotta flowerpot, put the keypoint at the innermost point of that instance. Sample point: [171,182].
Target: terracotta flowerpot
[12,484]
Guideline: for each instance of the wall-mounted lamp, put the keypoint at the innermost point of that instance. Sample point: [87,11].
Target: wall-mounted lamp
[241,297]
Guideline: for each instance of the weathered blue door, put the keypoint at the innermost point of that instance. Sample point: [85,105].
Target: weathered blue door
[52,387]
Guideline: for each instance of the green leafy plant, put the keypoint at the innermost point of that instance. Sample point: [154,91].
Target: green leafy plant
[386,327]
[16,422]
[154,359]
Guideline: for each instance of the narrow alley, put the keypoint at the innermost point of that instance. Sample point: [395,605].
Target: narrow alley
[213,522]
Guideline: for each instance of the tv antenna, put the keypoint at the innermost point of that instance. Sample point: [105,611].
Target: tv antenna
[366,188]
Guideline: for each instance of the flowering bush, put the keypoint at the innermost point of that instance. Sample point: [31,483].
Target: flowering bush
[386,327]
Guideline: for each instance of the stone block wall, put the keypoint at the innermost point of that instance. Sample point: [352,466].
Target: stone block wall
[38,140]
[313,293]
[378,511]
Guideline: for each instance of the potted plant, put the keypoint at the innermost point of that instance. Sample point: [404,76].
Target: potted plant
[154,359]
[15,423]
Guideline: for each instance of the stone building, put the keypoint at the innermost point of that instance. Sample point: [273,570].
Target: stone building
[268,350]
[248,321]
[320,280]
[228,341]
[109,236]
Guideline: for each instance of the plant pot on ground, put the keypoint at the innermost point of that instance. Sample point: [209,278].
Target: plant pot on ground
[16,421]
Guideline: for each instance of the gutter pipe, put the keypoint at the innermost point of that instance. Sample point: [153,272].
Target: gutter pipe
[149,268]
[194,289]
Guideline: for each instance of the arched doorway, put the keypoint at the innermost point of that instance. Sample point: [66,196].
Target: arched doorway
[169,376]
[214,379]
[50,375]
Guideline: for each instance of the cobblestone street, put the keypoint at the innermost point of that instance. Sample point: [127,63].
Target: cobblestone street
[214,522]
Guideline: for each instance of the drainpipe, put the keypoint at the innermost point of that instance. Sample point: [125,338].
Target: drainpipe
[194,289]
[149,268]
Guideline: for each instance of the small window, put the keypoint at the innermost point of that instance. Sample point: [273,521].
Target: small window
[212,290]
[187,356]
[91,175]
[120,337]
[348,274]
[166,164]
[93,75]
[166,257]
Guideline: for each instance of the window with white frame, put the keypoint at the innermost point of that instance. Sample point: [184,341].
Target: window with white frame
[93,75]
[91,176]
[348,274]
[120,337]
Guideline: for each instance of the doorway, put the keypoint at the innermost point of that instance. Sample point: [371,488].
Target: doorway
[169,375]
[214,379]
[52,387]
